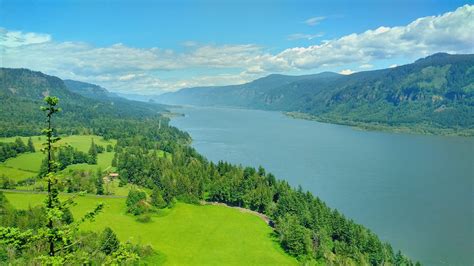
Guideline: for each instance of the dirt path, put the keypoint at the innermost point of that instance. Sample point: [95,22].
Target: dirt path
[262,216]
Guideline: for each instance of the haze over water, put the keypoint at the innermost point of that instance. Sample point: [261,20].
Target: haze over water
[414,191]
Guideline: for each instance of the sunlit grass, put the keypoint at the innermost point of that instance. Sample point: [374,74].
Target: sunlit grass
[184,235]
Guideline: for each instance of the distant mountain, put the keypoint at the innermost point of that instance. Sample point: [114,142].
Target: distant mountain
[22,92]
[433,93]
[253,94]
[89,90]
[137,97]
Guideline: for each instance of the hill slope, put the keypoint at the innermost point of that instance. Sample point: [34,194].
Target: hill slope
[433,93]
[22,92]
[89,90]
[186,234]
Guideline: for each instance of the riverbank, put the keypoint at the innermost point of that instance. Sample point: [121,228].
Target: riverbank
[422,129]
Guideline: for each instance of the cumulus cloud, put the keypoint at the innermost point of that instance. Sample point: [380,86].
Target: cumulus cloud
[451,32]
[120,67]
[314,21]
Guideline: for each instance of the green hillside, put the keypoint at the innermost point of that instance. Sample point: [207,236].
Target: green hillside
[186,234]
[433,95]
[22,92]
[27,165]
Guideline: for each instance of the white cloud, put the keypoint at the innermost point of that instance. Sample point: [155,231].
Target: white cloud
[392,66]
[18,38]
[120,67]
[314,21]
[346,72]
[451,32]
[298,36]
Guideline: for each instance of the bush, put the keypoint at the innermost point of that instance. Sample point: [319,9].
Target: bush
[136,202]
[145,218]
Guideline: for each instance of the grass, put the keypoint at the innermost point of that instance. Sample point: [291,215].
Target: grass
[81,142]
[27,161]
[184,235]
[14,173]
[27,165]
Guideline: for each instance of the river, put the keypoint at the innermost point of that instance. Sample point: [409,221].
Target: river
[414,191]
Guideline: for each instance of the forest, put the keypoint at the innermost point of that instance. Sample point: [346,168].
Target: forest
[305,226]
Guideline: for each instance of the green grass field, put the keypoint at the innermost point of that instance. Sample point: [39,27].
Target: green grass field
[184,235]
[26,161]
[81,142]
[27,165]
[14,173]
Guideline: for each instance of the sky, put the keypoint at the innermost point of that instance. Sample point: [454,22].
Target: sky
[152,47]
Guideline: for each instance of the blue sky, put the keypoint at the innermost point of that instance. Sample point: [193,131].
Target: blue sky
[157,46]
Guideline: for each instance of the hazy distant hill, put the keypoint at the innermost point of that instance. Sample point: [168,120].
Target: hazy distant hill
[89,90]
[254,94]
[436,92]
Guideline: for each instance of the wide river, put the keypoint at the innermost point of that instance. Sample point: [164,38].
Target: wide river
[414,191]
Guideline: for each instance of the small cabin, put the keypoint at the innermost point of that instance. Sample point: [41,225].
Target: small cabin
[110,177]
[113,175]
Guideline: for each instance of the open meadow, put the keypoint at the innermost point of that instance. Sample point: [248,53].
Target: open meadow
[183,235]
[27,165]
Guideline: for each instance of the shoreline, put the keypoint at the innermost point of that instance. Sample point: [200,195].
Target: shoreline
[404,129]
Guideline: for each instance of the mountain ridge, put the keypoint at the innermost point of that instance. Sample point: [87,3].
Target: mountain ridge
[433,94]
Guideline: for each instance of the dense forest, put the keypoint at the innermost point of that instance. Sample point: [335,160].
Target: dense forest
[306,227]
[432,95]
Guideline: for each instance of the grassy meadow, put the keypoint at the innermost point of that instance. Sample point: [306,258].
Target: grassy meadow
[27,165]
[184,235]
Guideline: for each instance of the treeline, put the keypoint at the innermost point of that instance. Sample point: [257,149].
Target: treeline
[306,227]
[12,149]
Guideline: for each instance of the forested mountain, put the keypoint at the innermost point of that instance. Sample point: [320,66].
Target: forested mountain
[433,93]
[22,92]
[260,93]
[306,227]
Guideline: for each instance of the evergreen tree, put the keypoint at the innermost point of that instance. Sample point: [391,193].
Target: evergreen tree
[31,147]
[92,153]
[114,160]
[20,145]
[157,200]
[109,242]
[59,230]
[99,184]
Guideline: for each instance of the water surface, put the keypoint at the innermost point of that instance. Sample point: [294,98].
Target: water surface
[414,191]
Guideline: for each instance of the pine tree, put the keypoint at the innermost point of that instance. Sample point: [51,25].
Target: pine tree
[92,153]
[20,146]
[60,228]
[109,242]
[31,147]
[99,184]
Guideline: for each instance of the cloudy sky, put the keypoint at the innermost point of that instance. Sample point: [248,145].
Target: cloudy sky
[151,47]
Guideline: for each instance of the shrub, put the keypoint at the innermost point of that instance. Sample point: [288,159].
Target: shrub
[145,218]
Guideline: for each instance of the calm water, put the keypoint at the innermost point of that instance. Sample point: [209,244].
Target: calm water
[414,191]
